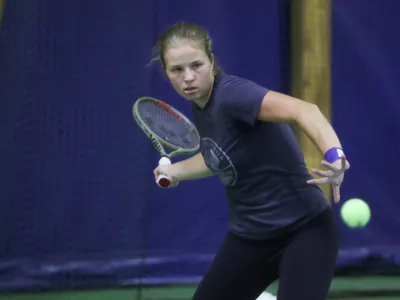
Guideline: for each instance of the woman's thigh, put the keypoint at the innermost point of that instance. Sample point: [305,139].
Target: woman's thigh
[239,271]
[308,262]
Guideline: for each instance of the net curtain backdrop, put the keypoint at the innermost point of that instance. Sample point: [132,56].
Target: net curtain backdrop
[79,206]
[365,109]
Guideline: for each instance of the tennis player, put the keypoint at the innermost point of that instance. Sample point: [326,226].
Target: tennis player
[280,223]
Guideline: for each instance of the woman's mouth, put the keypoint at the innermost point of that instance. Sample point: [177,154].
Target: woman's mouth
[190,90]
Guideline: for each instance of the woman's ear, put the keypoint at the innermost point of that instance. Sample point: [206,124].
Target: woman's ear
[213,66]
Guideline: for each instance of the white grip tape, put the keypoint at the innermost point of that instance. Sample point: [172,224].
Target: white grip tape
[163,161]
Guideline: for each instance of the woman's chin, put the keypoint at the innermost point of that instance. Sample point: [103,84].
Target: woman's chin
[190,96]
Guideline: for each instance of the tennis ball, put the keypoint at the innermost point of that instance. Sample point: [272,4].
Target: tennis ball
[355,213]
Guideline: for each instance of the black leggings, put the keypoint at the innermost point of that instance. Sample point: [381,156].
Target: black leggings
[304,263]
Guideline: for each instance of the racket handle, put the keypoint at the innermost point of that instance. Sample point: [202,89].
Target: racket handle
[163,180]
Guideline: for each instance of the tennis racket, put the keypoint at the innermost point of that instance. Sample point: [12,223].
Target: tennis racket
[170,131]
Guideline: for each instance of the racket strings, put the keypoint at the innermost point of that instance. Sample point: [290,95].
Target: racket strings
[168,126]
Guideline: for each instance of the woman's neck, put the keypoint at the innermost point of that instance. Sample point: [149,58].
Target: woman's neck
[202,102]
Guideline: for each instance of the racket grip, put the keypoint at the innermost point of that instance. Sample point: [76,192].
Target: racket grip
[163,180]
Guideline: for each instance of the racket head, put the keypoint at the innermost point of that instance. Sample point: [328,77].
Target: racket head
[168,128]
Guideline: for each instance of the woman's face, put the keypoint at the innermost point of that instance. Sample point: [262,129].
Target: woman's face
[190,71]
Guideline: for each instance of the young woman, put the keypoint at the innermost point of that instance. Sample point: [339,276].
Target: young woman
[280,223]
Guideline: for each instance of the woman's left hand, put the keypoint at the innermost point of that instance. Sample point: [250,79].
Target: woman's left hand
[333,176]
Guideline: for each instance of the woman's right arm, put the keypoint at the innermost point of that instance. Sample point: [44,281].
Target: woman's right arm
[188,169]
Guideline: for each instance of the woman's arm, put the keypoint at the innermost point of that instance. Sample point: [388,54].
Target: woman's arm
[188,169]
[278,107]
[282,108]
[191,168]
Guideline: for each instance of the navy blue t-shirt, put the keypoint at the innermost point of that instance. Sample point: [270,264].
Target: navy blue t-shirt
[259,163]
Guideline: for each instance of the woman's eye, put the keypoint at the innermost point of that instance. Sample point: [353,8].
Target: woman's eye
[197,65]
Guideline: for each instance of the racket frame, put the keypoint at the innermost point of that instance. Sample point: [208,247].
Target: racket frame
[161,143]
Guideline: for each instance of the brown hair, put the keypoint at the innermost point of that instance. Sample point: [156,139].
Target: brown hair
[184,31]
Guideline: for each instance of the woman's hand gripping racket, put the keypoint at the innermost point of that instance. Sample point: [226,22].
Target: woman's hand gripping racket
[168,129]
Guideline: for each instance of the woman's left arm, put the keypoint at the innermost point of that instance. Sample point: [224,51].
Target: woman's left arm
[277,107]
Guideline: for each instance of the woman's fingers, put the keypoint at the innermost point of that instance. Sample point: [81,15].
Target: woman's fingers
[336,193]
[329,166]
[322,173]
[319,181]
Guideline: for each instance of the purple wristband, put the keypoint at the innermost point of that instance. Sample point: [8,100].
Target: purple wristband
[333,154]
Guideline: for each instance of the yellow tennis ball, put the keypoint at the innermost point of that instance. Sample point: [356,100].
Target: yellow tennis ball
[355,213]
